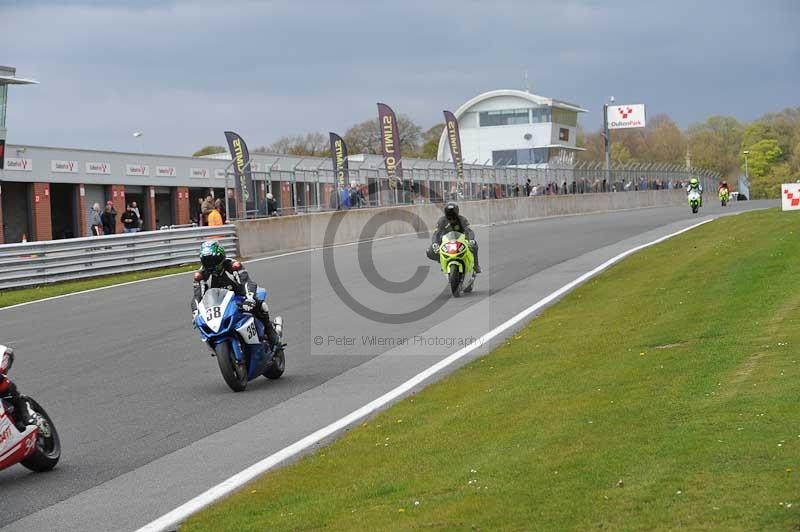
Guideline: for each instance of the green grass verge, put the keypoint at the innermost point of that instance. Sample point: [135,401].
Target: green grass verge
[24,295]
[661,395]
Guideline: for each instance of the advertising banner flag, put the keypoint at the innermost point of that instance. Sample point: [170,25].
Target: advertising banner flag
[626,116]
[244,178]
[390,140]
[339,156]
[454,140]
[2,153]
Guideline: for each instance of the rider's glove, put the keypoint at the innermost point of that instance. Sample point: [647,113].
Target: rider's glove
[248,305]
[435,248]
[472,244]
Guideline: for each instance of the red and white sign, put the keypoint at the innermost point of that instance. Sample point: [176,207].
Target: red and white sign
[790,197]
[137,169]
[166,171]
[14,163]
[626,116]
[219,173]
[199,172]
[65,167]
[98,168]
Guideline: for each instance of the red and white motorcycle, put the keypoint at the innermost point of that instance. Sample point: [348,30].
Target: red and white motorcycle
[35,445]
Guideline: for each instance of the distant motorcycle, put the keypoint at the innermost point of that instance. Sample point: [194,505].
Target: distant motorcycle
[724,196]
[36,446]
[457,262]
[694,201]
[237,338]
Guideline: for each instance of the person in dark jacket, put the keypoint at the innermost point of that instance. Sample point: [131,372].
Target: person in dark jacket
[130,220]
[272,205]
[453,221]
[218,271]
[109,219]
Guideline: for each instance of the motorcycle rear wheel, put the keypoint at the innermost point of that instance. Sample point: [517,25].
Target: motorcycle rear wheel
[278,366]
[235,378]
[48,449]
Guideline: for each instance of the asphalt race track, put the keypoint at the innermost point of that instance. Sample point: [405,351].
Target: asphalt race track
[146,420]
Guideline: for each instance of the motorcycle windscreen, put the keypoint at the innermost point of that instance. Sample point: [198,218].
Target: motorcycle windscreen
[213,305]
[452,236]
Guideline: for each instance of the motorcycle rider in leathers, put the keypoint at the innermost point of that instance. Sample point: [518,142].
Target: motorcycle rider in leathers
[453,221]
[217,271]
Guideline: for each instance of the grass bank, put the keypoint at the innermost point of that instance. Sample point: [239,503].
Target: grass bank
[24,295]
[663,394]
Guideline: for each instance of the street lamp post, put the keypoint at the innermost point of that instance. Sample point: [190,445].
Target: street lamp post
[607,140]
[746,175]
[139,135]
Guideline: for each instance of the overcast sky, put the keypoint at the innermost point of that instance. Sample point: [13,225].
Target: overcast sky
[183,72]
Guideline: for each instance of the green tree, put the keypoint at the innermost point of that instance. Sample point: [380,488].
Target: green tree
[762,162]
[430,142]
[311,144]
[620,154]
[715,144]
[365,137]
[209,150]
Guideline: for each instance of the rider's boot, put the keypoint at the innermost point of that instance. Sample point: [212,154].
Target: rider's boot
[476,266]
[22,414]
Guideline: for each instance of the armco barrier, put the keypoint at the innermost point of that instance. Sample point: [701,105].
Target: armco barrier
[288,233]
[50,261]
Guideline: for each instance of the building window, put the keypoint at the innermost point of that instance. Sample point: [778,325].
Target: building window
[540,115]
[520,157]
[563,134]
[506,117]
[567,118]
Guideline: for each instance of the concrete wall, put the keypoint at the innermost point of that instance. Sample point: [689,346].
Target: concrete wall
[286,233]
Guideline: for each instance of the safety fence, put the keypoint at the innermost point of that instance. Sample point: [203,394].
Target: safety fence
[36,263]
[309,189]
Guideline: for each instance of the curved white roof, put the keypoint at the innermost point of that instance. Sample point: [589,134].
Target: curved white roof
[533,98]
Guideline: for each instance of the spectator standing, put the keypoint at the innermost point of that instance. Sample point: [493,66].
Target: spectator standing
[206,208]
[272,205]
[527,188]
[354,201]
[130,220]
[214,217]
[135,208]
[198,217]
[516,190]
[97,223]
[109,219]
[344,197]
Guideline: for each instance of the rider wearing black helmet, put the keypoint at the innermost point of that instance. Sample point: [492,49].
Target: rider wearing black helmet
[453,221]
[217,271]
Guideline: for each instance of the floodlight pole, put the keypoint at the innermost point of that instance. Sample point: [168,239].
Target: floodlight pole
[607,142]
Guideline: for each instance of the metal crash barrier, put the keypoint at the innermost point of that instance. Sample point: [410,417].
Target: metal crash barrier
[36,263]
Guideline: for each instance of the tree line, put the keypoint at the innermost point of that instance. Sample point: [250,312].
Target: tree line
[717,144]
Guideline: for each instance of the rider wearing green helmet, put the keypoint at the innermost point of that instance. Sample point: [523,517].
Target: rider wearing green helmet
[218,271]
[695,186]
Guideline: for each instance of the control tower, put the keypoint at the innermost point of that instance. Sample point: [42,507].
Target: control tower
[7,77]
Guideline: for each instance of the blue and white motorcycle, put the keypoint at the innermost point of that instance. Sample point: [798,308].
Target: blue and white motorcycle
[237,338]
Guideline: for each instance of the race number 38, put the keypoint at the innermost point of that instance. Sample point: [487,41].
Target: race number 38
[213,312]
[251,331]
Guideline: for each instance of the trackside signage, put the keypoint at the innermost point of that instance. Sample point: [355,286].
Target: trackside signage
[626,116]
[790,197]
[199,172]
[14,163]
[137,169]
[165,171]
[98,168]
[65,167]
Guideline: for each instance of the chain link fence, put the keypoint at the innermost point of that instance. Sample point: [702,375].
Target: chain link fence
[313,188]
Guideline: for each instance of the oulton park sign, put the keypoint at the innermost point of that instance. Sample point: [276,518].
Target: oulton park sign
[626,116]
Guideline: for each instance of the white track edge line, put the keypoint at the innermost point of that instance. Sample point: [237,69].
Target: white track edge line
[227,486]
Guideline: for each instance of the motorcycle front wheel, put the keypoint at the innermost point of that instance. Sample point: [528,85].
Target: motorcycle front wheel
[455,277]
[278,366]
[235,374]
[48,444]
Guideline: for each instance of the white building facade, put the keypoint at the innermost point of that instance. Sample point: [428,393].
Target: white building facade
[515,128]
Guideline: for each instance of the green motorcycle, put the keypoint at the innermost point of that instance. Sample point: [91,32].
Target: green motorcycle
[457,262]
